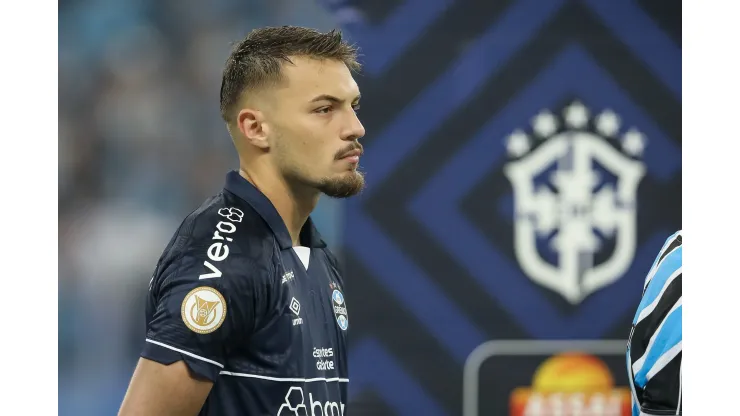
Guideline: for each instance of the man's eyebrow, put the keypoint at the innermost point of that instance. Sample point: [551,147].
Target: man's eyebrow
[333,99]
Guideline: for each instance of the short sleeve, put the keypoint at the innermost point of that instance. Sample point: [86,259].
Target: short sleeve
[201,307]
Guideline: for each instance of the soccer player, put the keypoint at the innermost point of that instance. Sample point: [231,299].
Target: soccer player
[654,347]
[246,312]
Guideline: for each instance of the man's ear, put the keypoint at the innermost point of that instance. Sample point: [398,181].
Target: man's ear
[252,125]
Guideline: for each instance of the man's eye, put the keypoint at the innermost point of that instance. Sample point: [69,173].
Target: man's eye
[356,107]
[323,110]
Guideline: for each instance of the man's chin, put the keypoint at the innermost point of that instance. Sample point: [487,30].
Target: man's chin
[343,186]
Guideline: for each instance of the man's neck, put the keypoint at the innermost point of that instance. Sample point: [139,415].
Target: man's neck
[293,205]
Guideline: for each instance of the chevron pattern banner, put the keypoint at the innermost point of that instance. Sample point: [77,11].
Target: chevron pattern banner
[523,161]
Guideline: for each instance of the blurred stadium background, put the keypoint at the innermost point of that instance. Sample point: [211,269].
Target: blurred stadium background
[461,100]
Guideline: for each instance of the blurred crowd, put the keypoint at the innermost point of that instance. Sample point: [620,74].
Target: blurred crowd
[141,144]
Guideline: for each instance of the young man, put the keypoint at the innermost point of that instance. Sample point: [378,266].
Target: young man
[246,312]
[654,350]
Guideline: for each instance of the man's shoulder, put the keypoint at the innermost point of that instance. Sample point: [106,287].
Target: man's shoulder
[224,238]
[225,218]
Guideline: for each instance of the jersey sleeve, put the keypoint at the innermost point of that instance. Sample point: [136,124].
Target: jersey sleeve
[655,344]
[204,302]
[658,369]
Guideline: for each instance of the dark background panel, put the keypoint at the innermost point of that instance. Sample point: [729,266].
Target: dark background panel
[387,203]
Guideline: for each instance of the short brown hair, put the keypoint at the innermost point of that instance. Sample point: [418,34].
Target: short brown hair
[256,60]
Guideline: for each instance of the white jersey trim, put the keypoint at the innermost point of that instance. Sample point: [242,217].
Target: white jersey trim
[286,379]
[189,354]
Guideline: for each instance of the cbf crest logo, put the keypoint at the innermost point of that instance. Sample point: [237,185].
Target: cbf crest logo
[340,309]
[575,176]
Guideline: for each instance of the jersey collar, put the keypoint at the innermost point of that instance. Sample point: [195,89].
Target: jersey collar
[244,189]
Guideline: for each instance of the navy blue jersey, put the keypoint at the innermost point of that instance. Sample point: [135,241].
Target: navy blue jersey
[265,321]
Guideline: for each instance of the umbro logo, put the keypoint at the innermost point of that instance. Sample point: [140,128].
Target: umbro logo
[295,307]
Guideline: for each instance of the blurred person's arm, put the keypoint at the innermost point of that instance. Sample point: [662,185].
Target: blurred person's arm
[655,344]
[164,390]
